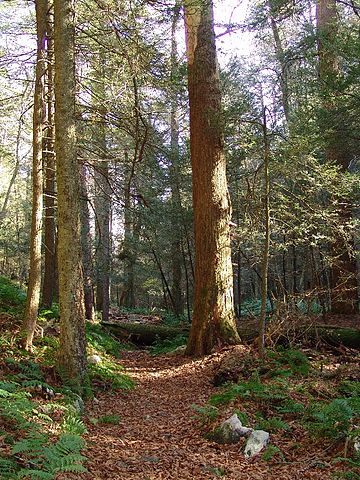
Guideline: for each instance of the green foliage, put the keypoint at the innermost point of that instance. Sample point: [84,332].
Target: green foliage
[333,420]
[272,424]
[48,460]
[242,416]
[205,414]
[172,320]
[253,307]
[111,374]
[72,423]
[253,389]
[12,297]
[350,388]
[8,468]
[296,362]
[272,451]
[102,341]
[168,344]
[111,419]
[48,313]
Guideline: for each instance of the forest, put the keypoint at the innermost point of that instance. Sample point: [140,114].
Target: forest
[179,239]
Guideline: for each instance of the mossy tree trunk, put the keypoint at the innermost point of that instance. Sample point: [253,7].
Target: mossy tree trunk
[39,115]
[213,323]
[72,353]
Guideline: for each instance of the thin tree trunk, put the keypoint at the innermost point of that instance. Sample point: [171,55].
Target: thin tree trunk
[86,248]
[213,323]
[72,353]
[102,207]
[176,255]
[265,260]
[50,174]
[33,294]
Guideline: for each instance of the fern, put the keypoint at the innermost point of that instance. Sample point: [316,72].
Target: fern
[35,474]
[72,423]
[332,420]
[64,455]
[8,468]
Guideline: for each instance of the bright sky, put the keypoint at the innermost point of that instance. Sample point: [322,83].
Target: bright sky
[238,42]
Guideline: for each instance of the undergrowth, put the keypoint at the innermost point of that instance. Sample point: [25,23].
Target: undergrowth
[12,297]
[40,420]
[169,344]
[285,394]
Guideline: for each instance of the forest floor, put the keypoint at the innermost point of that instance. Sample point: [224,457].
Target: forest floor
[158,436]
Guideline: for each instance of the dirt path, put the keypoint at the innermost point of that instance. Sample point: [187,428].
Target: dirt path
[157,437]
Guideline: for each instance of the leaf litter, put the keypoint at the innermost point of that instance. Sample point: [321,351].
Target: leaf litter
[158,437]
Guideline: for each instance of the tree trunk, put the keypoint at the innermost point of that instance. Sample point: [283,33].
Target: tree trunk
[72,353]
[213,323]
[33,294]
[50,193]
[176,253]
[265,259]
[128,248]
[344,295]
[86,248]
[102,208]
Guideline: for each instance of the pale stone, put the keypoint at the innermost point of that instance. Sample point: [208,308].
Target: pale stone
[94,359]
[257,440]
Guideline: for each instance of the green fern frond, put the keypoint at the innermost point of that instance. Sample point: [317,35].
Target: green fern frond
[8,467]
[73,424]
[32,445]
[34,474]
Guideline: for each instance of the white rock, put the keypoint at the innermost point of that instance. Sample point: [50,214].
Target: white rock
[231,430]
[357,444]
[94,359]
[257,441]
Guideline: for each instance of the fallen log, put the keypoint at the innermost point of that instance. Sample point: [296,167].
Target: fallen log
[349,337]
[144,334]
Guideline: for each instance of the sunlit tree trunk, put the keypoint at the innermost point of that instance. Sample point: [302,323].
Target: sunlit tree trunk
[213,323]
[344,296]
[176,253]
[33,294]
[49,282]
[72,352]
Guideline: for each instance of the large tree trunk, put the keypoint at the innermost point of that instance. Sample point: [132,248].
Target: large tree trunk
[213,323]
[72,353]
[33,294]
[344,296]
[49,283]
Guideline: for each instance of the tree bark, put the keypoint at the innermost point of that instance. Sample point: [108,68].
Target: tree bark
[86,248]
[266,249]
[33,294]
[50,173]
[213,323]
[72,353]
[176,253]
[102,202]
